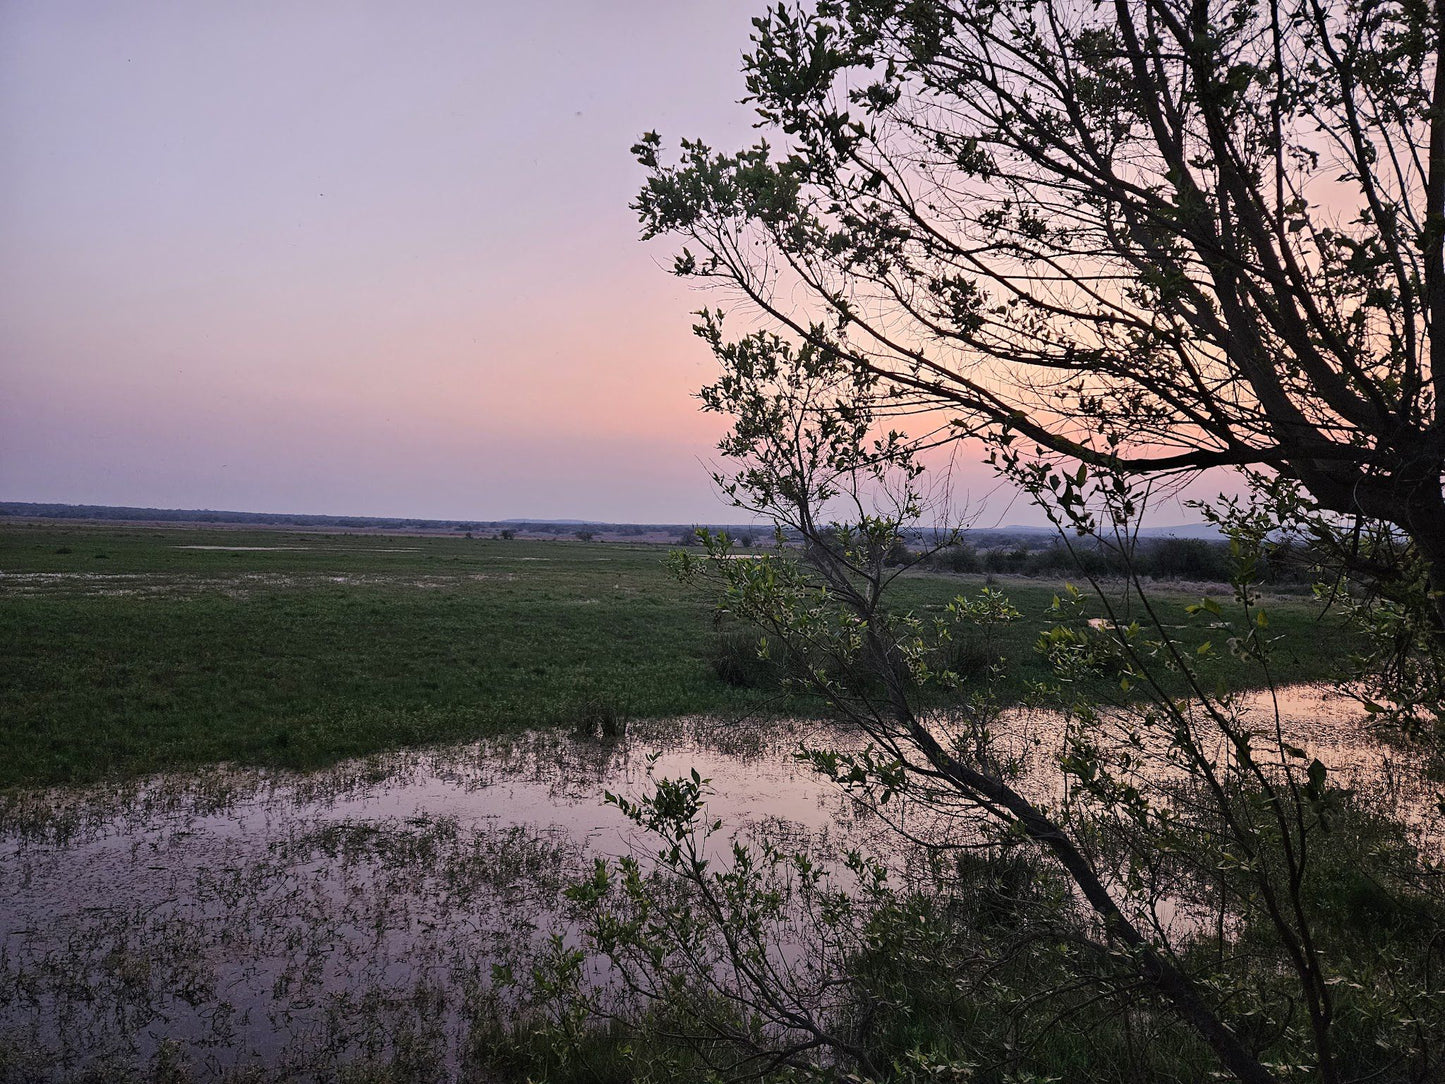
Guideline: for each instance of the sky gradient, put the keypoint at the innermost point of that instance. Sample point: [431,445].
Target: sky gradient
[354,258]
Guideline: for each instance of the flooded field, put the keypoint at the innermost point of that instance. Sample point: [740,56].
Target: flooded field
[235,920]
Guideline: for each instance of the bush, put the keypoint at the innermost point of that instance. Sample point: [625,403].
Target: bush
[962,558]
[598,719]
[969,656]
[1188,559]
[736,661]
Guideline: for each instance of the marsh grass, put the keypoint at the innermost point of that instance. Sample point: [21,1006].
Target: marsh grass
[598,719]
[335,925]
[969,970]
[310,648]
[343,924]
[300,657]
[737,660]
[340,946]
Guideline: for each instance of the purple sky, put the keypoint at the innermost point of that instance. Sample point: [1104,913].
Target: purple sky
[355,257]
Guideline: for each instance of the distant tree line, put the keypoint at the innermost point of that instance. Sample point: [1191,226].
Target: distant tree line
[1288,562]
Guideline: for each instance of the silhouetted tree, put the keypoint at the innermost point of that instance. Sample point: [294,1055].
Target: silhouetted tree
[1117,240]
[1152,236]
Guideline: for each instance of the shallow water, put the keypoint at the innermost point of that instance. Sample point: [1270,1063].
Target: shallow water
[294,922]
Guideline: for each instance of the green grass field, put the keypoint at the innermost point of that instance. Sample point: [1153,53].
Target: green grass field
[124,651]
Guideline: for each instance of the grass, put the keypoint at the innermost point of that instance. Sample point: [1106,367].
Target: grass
[124,652]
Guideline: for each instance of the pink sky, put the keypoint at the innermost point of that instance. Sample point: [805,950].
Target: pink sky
[356,258]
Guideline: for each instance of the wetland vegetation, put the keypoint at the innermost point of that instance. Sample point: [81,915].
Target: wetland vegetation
[131,649]
[185,904]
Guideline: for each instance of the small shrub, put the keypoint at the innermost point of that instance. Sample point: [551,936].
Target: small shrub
[898,554]
[597,719]
[735,660]
[961,558]
[967,656]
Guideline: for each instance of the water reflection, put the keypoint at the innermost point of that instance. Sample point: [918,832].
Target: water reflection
[293,922]
[243,919]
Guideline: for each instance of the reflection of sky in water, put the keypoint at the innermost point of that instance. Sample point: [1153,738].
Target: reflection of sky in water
[287,920]
[280,919]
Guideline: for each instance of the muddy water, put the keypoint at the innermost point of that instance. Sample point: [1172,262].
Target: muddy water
[237,920]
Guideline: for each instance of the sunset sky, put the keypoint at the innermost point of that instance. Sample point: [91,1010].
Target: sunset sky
[355,258]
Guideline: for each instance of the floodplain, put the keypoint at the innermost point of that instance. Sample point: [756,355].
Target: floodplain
[135,650]
[280,805]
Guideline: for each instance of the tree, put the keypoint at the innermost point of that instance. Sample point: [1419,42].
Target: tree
[1149,236]
[1154,805]
[1121,242]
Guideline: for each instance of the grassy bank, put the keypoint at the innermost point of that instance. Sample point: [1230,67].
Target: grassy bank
[126,650]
